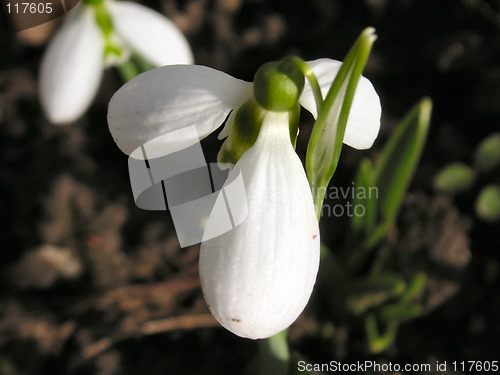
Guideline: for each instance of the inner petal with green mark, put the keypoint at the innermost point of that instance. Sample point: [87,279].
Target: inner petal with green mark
[243,127]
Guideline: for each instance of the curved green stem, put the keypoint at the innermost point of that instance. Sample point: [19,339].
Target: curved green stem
[128,70]
[309,74]
[274,355]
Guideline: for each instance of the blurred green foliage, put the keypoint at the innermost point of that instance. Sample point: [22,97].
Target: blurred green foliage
[459,177]
[455,178]
[488,203]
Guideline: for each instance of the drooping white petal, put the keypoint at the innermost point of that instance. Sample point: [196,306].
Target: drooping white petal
[71,68]
[258,278]
[170,98]
[149,33]
[363,123]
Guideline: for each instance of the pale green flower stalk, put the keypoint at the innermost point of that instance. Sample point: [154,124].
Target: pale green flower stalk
[257,278]
[98,34]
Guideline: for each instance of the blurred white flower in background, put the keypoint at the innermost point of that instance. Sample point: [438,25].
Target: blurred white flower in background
[94,36]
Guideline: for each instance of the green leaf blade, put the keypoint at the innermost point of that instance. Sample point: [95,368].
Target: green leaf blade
[364,181]
[399,160]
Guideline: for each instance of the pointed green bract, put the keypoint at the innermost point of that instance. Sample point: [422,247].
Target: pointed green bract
[325,143]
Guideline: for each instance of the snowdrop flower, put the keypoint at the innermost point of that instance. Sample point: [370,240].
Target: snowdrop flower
[96,34]
[257,278]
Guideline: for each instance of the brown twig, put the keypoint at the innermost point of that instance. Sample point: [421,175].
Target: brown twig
[183,322]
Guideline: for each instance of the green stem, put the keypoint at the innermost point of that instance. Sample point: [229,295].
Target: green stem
[274,355]
[141,62]
[128,70]
[103,19]
[311,77]
[93,2]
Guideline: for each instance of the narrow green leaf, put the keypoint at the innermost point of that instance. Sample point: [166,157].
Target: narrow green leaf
[415,287]
[376,235]
[454,178]
[363,182]
[487,155]
[400,312]
[488,203]
[325,143]
[359,304]
[379,342]
[399,160]
[374,291]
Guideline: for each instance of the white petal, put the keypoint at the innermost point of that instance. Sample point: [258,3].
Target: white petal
[258,278]
[363,123]
[170,98]
[71,68]
[151,34]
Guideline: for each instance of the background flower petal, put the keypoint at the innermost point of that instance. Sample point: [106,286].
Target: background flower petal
[150,34]
[71,68]
[258,277]
[363,123]
[172,97]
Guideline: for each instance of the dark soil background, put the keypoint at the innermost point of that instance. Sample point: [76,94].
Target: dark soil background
[90,284]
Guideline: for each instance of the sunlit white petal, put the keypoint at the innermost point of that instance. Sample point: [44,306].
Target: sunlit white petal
[172,97]
[363,123]
[149,33]
[71,67]
[258,278]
